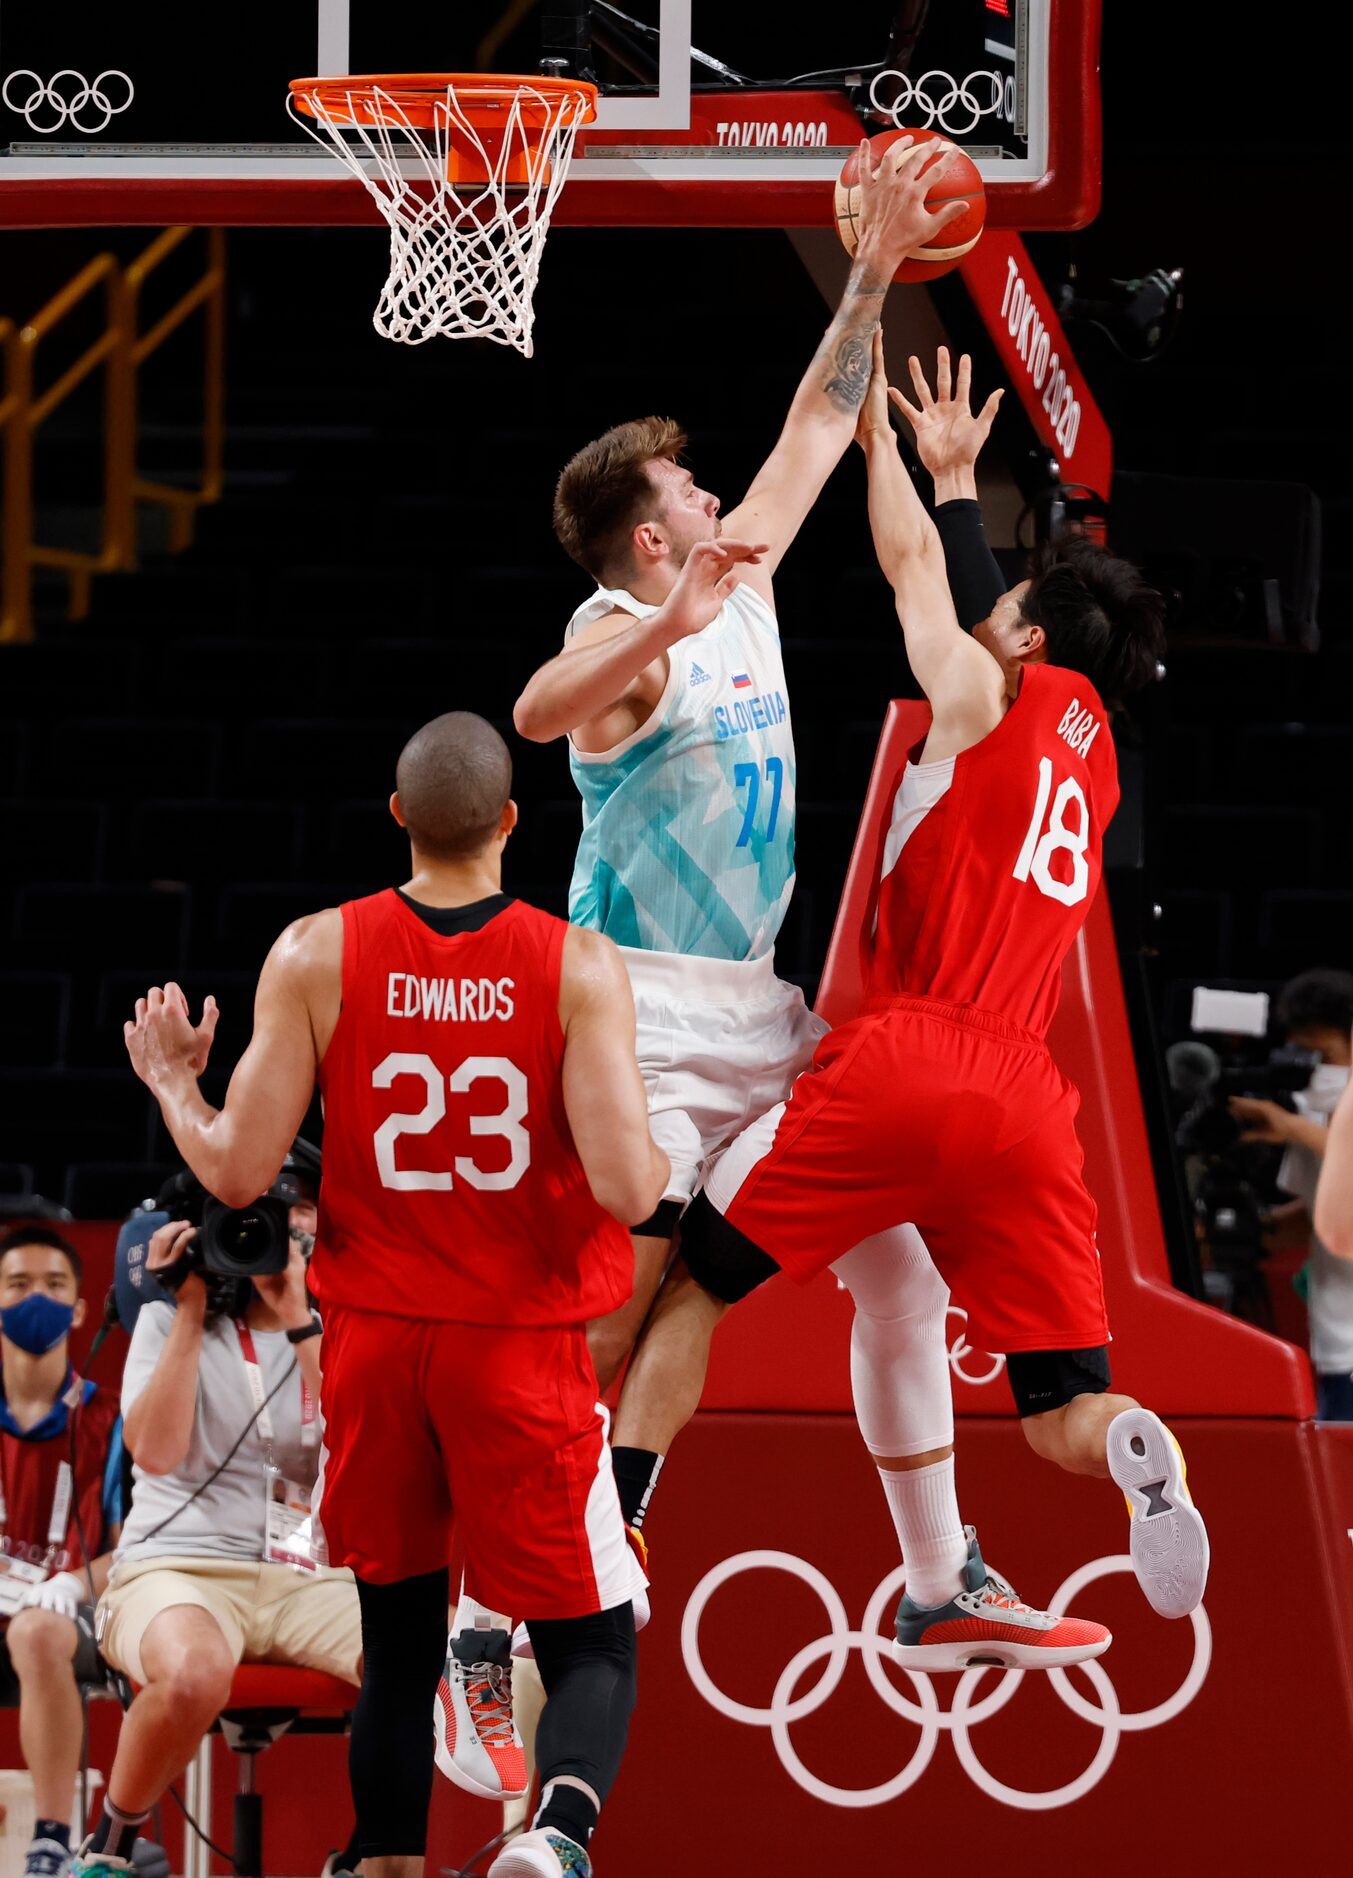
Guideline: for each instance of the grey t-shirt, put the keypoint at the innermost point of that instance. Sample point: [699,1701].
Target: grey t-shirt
[227,1518]
[1329,1296]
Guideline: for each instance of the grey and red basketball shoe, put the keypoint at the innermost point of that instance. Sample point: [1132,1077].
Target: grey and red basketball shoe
[476,1741]
[987,1623]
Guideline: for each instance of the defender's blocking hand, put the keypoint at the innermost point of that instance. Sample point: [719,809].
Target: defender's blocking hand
[948,436]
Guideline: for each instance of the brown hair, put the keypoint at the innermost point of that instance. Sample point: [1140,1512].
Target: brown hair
[453,778]
[602,490]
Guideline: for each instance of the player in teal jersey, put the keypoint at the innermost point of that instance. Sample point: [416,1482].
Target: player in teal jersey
[671,692]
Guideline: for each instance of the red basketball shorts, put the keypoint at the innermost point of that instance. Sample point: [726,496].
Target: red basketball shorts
[957,1121]
[437,1430]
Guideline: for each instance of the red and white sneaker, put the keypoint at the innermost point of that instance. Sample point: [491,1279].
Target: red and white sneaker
[987,1623]
[476,1741]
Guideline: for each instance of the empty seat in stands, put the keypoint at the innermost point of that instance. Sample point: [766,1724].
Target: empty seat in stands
[297,758]
[34,1019]
[213,841]
[252,916]
[1219,846]
[120,757]
[481,672]
[1195,932]
[1310,763]
[544,842]
[54,1117]
[359,841]
[68,926]
[16,1177]
[110,1189]
[1298,930]
[46,839]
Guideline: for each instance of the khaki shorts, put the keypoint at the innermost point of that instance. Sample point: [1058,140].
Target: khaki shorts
[266,1613]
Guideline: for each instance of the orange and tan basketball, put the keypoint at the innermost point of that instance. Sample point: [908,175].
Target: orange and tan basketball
[949,175]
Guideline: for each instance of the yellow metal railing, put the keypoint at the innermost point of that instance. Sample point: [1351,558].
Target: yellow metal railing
[121,350]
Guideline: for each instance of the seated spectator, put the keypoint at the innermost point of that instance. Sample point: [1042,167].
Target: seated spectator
[57,1530]
[220,1399]
[1315,1012]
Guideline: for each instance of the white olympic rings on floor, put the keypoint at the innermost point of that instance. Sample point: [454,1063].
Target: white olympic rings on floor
[46,94]
[966,1711]
[937,95]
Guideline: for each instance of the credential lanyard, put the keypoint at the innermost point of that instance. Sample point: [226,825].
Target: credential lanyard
[62,1492]
[254,1377]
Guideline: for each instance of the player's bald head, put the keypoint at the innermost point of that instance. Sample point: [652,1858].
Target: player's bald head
[453,779]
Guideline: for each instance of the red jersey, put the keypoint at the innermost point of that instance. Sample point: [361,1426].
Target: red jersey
[452,1188]
[992,858]
[38,1498]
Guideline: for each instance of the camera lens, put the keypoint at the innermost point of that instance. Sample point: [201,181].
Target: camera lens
[246,1236]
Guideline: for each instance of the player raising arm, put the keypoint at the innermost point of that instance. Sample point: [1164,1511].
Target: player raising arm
[610,677]
[940,1103]
[486,1142]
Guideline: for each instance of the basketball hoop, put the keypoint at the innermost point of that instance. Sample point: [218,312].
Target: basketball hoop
[466,169]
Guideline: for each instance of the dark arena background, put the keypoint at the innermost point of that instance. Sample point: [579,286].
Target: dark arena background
[201,718]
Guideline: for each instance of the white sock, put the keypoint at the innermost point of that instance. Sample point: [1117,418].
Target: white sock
[471,1615]
[925,1512]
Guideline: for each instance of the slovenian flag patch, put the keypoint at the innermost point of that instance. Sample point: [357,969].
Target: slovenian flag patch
[740,681]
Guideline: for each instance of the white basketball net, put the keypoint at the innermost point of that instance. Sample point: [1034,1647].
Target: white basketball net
[464,256]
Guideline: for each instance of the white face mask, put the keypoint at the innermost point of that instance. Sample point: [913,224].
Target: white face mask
[1327,1084]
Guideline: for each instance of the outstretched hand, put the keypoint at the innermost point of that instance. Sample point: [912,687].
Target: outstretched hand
[893,213]
[162,1041]
[705,582]
[948,436]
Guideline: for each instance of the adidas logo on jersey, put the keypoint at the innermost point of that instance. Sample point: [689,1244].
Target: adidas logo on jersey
[699,676]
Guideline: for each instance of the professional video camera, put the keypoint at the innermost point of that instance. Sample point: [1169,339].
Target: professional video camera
[1226,1175]
[234,1245]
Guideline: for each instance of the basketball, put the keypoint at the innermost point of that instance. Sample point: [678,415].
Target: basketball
[949,174]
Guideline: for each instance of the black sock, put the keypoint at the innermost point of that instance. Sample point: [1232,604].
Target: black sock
[52,1829]
[567,1809]
[636,1475]
[116,1831]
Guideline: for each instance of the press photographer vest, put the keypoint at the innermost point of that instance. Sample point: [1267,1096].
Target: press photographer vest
[452,1188]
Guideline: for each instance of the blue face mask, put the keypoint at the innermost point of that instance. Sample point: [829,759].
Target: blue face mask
[37,1323]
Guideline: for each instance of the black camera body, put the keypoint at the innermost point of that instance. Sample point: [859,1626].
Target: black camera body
[1210,1128]
[233,1246]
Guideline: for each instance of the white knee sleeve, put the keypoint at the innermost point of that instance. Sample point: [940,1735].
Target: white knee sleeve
[899,1358]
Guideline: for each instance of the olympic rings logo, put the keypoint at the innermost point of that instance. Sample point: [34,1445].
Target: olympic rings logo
[937,96]
[960,1347]
[966,1712]
[48,96]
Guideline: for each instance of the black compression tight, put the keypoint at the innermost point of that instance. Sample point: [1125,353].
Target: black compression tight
[390,1754]
[588,1667]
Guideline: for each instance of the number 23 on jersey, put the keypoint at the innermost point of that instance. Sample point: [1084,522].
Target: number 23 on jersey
[507,1123]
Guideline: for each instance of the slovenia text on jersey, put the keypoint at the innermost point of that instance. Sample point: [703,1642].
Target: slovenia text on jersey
[688,824]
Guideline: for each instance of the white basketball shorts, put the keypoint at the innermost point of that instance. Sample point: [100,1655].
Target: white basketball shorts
[719,1042]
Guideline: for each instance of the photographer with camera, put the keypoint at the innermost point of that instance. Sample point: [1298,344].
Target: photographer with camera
[218,1562]
[1315,1012]
[60,1503]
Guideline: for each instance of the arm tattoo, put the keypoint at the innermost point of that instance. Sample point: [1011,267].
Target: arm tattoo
[849,379]
[848,361]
